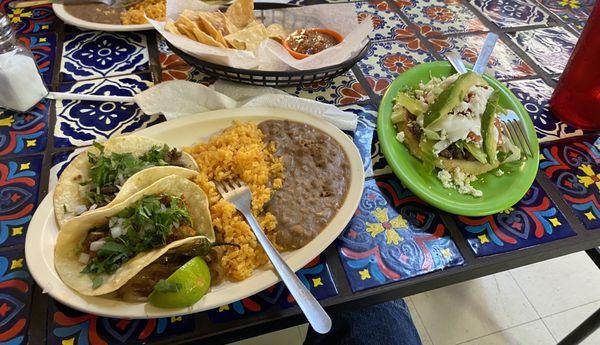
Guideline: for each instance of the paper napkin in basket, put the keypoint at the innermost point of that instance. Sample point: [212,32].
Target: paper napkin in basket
[178,98]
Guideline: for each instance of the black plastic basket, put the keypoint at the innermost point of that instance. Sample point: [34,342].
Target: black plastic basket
[270,78]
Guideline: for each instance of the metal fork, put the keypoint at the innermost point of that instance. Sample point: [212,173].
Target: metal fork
[112,3]
[237,192]
[512,127]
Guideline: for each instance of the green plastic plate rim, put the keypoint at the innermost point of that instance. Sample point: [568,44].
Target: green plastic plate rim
[499,192]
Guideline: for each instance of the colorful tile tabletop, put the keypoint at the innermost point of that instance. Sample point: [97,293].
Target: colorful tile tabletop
[393,235]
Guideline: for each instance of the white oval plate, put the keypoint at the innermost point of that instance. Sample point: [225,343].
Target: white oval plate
[42,233]
[68,18]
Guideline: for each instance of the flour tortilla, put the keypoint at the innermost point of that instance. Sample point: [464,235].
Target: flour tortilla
[66,253]
[468,167]
[70,194]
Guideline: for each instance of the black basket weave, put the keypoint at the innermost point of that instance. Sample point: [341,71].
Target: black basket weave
[270,78]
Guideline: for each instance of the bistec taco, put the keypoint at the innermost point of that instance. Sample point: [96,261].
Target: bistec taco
[106,173]
[453,124]
[136,248]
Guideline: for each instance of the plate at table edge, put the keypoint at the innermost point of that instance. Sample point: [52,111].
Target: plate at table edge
[70,19]
[41,236]
[426,186]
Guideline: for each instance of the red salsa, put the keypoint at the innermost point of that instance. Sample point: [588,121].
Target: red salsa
[310,41]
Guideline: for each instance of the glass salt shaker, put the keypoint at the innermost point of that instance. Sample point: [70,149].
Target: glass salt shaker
[21,85]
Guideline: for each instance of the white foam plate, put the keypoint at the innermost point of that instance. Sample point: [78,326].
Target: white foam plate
[68,18]
[43,230]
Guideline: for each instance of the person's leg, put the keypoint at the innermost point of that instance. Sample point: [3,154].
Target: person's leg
[383,324]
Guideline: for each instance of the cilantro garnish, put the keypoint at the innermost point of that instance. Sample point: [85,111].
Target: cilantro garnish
[96,282]
[147,224]
[109,170]
[165,286]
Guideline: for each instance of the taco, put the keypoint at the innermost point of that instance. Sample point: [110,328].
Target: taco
[107,173]
[99,252]
[453,124]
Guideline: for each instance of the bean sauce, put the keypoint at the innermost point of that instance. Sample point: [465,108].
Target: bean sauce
[96,13]
[316,181]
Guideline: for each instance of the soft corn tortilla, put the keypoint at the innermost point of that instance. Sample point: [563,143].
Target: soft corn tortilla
[66,253]
[468,167]
[69,193]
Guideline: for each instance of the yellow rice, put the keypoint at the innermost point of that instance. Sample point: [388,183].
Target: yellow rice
[239,152]
[154,9]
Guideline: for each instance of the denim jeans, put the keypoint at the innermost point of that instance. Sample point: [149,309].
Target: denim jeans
[383,324]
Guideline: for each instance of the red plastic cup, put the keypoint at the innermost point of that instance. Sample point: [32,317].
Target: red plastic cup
[576,99]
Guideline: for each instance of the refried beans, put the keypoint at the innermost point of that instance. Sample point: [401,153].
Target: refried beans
[316,180]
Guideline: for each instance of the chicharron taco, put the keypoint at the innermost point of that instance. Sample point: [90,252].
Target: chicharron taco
[106,173]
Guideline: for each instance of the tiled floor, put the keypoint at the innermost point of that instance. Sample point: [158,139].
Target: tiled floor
[534,305]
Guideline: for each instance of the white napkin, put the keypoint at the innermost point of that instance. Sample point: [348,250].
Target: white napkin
[176,98]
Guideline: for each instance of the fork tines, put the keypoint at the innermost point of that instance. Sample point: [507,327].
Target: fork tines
[227,186]
[515,132]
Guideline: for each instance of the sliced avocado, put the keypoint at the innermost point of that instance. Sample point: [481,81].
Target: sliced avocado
[477,152]
[490,145]
[399,115]
[427,157]
[414,106]
[450,98]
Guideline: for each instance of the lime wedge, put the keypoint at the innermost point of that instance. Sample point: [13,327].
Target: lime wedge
[184,287]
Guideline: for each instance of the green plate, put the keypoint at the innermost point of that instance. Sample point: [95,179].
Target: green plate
[499,193]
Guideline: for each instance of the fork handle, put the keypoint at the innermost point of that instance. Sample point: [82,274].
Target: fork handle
[316,315]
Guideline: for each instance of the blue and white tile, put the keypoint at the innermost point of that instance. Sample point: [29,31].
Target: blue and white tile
[504,63]
[550,48]
[386,60]
[97,54]
[512,13]
[80,123]
[444,16]
[534,94]
[385,20]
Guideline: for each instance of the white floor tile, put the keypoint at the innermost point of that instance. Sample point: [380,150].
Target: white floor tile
[473,309]
[559,284]
[302,329]
[418,322]
[532,333]
[288,336]
[563,323]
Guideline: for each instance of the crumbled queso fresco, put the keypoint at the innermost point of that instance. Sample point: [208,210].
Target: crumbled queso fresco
[459,180]
[400,136]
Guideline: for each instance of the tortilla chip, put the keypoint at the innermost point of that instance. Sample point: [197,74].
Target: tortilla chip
[248,38]
[210,29]
[189,26]
[276,31]
[217,20]
[241,13]
[170,27]
[185,28]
